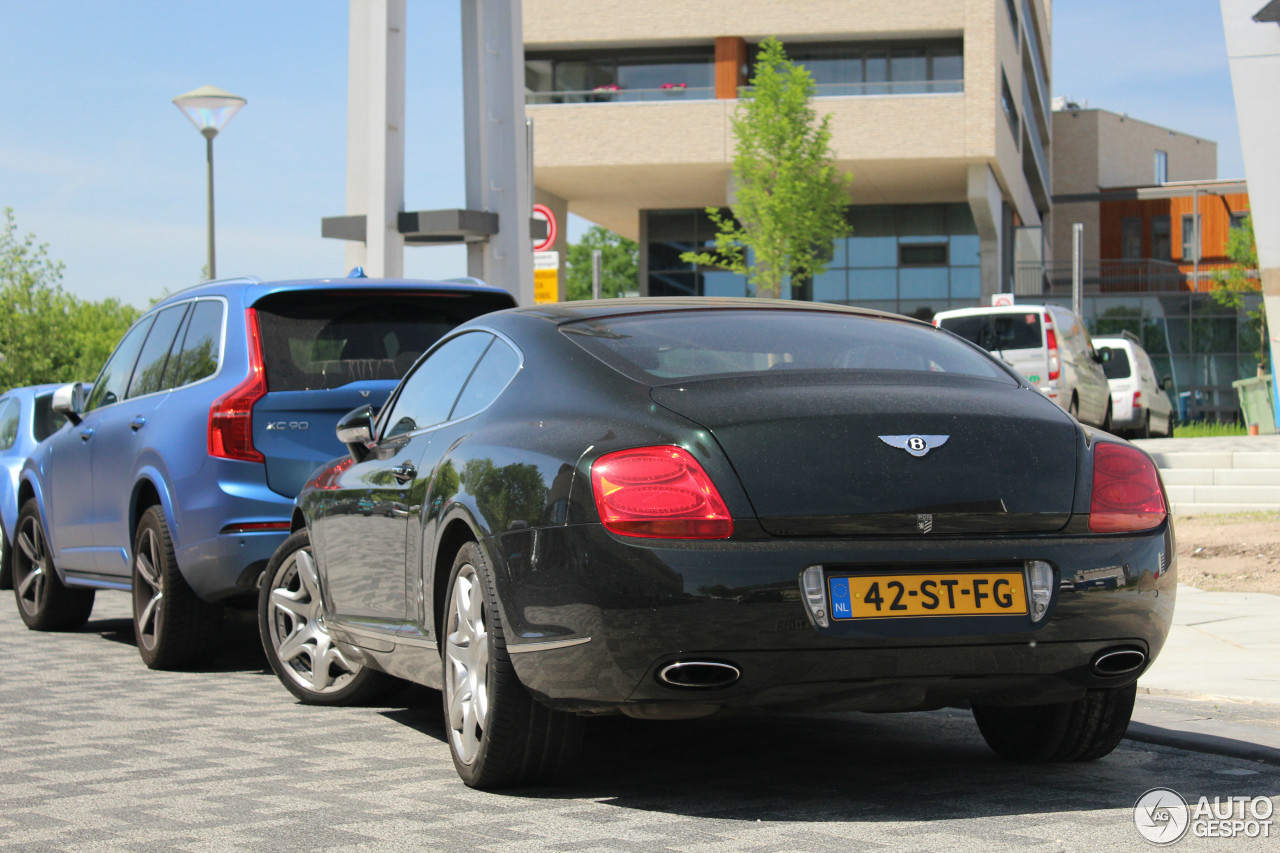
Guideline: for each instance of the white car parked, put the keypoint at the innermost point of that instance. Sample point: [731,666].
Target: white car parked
[1139,404]
[1047,344]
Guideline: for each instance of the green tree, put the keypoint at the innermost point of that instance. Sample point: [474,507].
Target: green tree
[620,258]
[46,334]
[1242,280]
[789,199]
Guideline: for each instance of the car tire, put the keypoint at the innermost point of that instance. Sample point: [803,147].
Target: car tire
[6,561]
[498,734]
[1145,430]
[296,641]
[44,602]
[173,627]
[1083,730]
[1106,419]
[1074,408]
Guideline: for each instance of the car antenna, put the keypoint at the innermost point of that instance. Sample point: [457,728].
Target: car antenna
[357,272]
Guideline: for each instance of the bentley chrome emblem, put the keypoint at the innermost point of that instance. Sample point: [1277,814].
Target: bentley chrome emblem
[924,522]
[916,445]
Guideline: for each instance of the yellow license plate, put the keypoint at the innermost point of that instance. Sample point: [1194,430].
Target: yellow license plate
[957,594]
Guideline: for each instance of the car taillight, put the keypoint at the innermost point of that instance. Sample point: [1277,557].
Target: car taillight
[326,479]
[1051,343]
[231,415]
[660,493]
[1137,399]
[1126,490]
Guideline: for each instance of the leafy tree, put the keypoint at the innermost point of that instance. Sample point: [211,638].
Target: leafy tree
[46,334]
[1241,280]
[511,493]
[620,261]
[789,199]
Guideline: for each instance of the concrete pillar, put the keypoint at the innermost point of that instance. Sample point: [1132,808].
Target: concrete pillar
[498,176]
[375,133]
[986,201]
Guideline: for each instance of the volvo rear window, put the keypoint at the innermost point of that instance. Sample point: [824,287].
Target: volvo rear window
[1117,367]
[671,346]
[1000,332]
[313,340]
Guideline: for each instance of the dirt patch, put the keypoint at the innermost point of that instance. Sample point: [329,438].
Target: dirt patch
[1229,553]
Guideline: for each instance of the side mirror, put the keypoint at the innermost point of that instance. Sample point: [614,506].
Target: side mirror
[1103,355]
[68,401]
[355,430]
[1167,383]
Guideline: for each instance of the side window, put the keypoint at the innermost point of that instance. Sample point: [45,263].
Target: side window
[115,374]
[10,414]
[199,347]
[499,364]
[428,394]
[155,352]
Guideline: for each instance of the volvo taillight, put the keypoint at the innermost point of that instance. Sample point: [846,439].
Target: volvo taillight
[1051,344]
[231,415]
[1126,490]
[658,492]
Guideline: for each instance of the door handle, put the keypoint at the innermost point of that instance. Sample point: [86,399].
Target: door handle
[137,423]
[86,434]
[404,472]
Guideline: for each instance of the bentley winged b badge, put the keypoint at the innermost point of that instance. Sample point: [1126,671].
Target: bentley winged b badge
[916,445]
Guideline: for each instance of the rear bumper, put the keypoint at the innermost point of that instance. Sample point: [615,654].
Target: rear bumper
[645,605]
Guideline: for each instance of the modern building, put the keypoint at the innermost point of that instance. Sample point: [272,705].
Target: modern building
[939,109]
[1156,221]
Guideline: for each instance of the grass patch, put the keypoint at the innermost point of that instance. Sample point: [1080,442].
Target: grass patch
[1208,429]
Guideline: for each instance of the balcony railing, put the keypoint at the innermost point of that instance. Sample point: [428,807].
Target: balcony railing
[605,95]
[1101,276]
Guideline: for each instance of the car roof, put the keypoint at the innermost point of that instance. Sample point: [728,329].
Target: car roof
[32,390]
[1019,308]
[253,289]
[588,309]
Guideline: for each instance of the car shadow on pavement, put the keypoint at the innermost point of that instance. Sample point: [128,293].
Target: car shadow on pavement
[239,644]
[923,766]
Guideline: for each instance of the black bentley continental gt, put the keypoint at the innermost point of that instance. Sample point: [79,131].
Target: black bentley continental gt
[668,508]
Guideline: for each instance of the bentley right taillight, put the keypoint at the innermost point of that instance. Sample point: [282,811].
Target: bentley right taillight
[659,493]
[1126,490]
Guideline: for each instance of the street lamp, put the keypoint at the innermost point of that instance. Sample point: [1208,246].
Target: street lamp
[209,108]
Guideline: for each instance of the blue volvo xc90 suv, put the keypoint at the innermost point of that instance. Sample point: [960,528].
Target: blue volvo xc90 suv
[175,476]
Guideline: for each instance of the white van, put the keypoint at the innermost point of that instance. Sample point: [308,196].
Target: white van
[1139,404]
[1048,345]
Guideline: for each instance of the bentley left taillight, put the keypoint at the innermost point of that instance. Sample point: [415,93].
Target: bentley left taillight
[1126,490]
[658,493]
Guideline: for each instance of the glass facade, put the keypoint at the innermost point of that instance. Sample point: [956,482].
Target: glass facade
[882,68]
[914,259]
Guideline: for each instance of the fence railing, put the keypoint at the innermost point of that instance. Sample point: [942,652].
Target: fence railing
[1113,276]
[606,94]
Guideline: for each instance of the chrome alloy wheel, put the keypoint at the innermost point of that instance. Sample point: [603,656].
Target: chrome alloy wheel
[297,631]
[466,676]
[31,584]
[148,596]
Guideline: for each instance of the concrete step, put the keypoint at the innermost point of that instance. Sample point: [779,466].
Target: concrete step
[1262,496]
[1217,459]
[1220,476]
[1193,508]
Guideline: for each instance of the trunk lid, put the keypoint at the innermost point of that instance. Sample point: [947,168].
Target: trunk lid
[809,453]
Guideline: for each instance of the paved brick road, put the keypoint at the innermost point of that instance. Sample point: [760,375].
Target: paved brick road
[97,753]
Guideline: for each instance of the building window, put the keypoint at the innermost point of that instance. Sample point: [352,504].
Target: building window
[882,68]
[1131,238]
[1161,238]
[1238,217]
[576,77]
[1162,167]
[1011,7]
[1190,238]
[1007,102]
[922,255]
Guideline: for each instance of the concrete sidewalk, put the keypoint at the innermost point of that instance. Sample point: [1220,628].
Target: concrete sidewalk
[1224,648]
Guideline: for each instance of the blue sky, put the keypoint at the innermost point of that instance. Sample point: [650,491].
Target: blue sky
[99,164]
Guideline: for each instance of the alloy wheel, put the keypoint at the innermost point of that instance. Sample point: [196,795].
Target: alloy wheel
[148,596]
[467,665]
[31,584]
[297,630]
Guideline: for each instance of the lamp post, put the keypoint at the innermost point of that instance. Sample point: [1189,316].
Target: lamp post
[209,109]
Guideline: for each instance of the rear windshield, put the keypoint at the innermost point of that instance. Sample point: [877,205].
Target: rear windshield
[998,331]
[1118,365]
[321,340]
[695,344]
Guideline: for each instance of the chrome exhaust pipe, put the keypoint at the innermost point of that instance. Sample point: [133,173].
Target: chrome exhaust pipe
[705,675]
[1113,662]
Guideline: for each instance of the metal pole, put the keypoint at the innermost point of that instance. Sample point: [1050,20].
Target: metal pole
[1077,267]
[208,142]
[1195,240]
[597,272]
